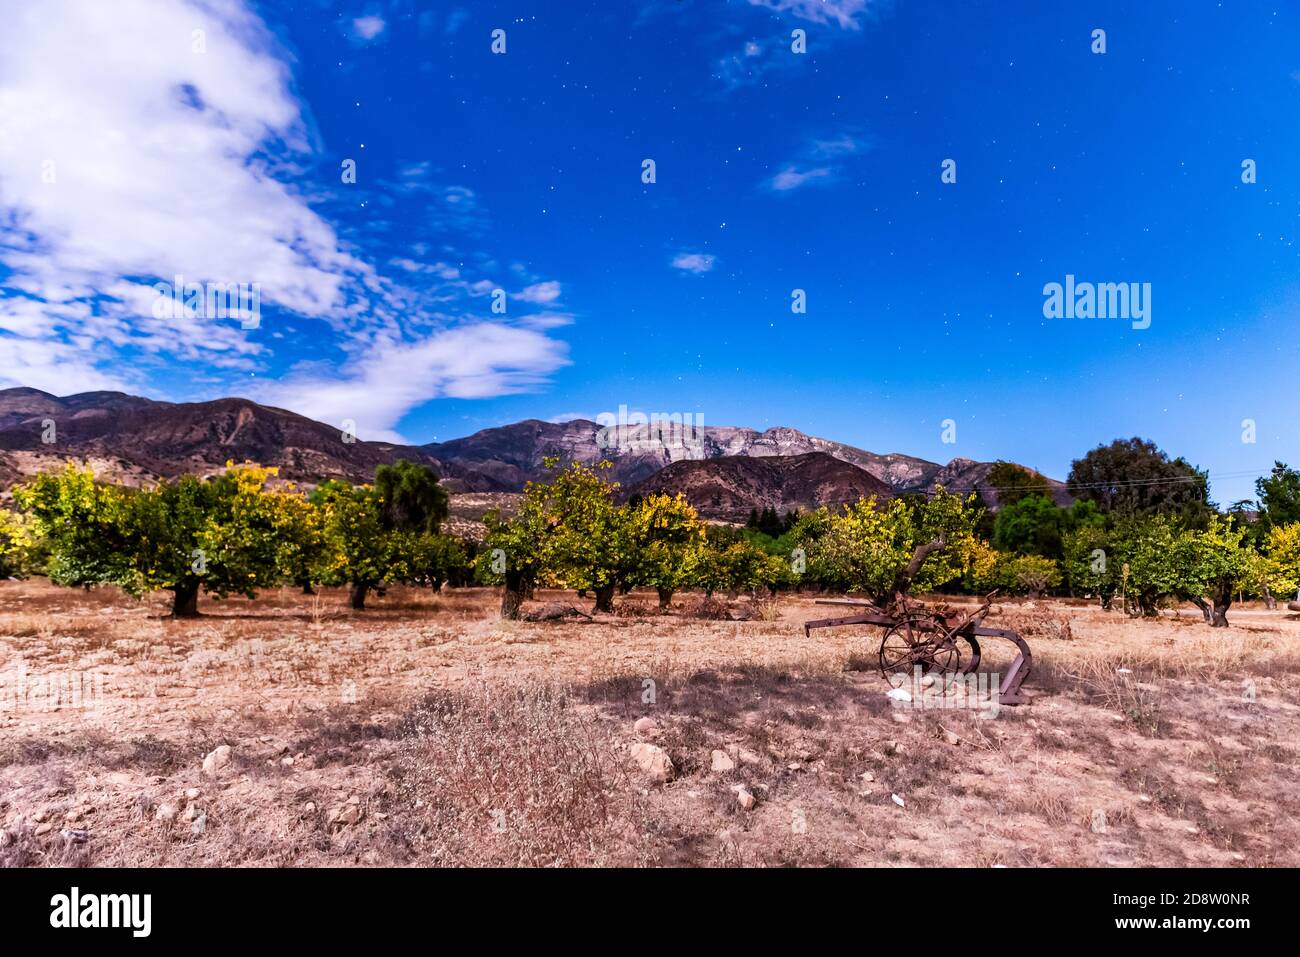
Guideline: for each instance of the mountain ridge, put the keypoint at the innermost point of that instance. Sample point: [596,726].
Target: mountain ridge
[136,439]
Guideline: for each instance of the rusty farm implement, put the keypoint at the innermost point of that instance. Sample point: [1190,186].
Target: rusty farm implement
[941,641]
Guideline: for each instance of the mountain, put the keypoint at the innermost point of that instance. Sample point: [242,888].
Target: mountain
[514,454]
[728,488]
[133,440]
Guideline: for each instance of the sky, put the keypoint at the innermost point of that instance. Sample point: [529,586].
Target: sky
[447,237]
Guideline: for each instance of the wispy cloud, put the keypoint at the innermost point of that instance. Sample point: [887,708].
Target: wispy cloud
[792,178]
[698,263]
[469,362]
[820,162]
[848,14]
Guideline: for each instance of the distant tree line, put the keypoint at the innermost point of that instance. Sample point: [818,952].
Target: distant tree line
[1140,533]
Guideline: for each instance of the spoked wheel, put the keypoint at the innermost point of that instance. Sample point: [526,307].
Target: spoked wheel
[918,641]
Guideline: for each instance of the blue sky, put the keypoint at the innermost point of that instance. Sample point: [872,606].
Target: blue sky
[152,138]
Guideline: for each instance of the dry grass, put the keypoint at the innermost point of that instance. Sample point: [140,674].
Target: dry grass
[456,739]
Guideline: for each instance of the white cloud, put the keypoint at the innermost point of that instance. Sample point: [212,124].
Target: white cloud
[845,13]
[141,158]
[145,139]
[698,263]
[540,293]
[792,178]
[369,27]
[467,362]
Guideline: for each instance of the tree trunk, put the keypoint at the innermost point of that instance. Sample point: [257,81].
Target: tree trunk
[665,598]
[512,596]
[528,591]
[1206,611]
[307,589]
[605,599]
[185,600]
[1222,602]
[357,595]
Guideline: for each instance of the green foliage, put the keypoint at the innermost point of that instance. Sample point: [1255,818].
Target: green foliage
[734,566]
[81,523]
[1031,525]
[411,497]
[300,547]
[420,558]
[1015,482]
[1133,477]
[358,550]
[1279,495]
[183,535]
[1031,575]
[872,549]
[1281,569]
[1088,565]
[769,523]
[667,539]
[17,544]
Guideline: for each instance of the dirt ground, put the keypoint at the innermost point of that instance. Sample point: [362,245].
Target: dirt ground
[425,732]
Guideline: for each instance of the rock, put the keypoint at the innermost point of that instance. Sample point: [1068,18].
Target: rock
[745,798]
[310,807]
[645,726]
[897,800]
[901,717]
[41,816]
[722,762]
[166,812]
[899,694]
[867,777]
[192,813]
[216,761]
[345,814]
[951,738]
[200,824]
[75,835]
[286,762]
[891,747]
[654,761]
[193,794]
[44,828]
[748,757]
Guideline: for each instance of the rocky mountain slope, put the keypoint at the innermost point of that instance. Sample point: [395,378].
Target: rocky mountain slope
[727,488]
[133,439]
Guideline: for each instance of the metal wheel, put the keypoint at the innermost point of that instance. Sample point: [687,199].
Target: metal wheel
[917,641]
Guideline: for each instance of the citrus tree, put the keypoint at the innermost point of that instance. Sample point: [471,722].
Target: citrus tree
[1088,564]
[884,551]
[1214,563]
[667,538]
[81,523]
[1282,559]
[300,548]
[592,545]
[359,550]
[189,534]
